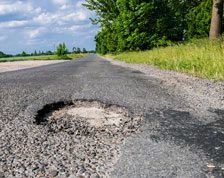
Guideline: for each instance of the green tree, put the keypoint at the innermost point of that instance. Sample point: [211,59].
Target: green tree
[106,11]
[61,50]
[24,54]
[198,20]
[78,50]
[180,10]
[106,41]
[141,26]
[216,21]
[48,53]
[144,24]
[3,55]
[84,50]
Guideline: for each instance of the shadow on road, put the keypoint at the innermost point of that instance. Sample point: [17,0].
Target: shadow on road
[184,129]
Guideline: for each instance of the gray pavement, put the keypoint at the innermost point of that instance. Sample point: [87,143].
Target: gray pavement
[173,142]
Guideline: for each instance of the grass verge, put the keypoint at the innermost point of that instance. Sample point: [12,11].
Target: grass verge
[202,58]
[46,57]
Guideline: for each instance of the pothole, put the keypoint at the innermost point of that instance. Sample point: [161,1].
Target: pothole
[92,113]
[94,131]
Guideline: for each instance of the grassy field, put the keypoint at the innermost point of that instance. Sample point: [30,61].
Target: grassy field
[47,57]
[198,57]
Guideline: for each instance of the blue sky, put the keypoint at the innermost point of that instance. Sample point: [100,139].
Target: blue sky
[28,25]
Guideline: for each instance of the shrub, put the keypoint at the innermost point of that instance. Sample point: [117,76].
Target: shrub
[61,50]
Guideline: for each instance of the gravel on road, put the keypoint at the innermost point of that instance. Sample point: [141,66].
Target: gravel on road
[163,130]
[201,94]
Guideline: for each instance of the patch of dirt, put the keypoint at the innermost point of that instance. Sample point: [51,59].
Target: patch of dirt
[97,117]
[18,65]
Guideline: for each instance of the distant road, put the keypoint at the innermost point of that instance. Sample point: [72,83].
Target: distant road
[172,142]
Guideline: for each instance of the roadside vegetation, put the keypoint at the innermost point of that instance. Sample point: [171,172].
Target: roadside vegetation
[202,57]
[133,25]
[44,57]
[169,34]
[62,53]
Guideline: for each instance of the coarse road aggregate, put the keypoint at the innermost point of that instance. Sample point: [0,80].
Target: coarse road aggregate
[162,133]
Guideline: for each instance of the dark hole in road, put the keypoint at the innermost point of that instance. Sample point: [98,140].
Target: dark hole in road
[42,114]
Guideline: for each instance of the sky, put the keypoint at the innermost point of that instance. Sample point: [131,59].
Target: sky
[29,25]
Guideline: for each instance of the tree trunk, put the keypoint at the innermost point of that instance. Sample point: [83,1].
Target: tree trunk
[216,22]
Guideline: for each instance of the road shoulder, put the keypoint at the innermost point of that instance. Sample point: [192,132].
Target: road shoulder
[203,95]
[18,65]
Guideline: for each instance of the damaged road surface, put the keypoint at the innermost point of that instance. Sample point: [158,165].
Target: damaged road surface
[90,118]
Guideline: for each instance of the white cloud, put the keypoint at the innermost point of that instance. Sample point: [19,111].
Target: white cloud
[60,1]
[37,10]
[73,29]
[19,6]
[75,16]
[82,15]
[79,4]
[35,32]
[64,7]
[46,18]
[76,27]
[11,24]
[69,17]
[2,38]
[61,18]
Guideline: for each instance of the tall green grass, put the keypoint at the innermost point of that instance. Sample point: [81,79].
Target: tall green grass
[202,57]
[44,57]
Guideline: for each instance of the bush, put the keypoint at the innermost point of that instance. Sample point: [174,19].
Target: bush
[61,50]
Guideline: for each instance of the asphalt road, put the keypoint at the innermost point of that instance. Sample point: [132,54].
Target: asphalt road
[173,142]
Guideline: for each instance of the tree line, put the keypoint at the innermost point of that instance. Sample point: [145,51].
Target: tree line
[3,55]
[61,50]
[23,54]
[128,25]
